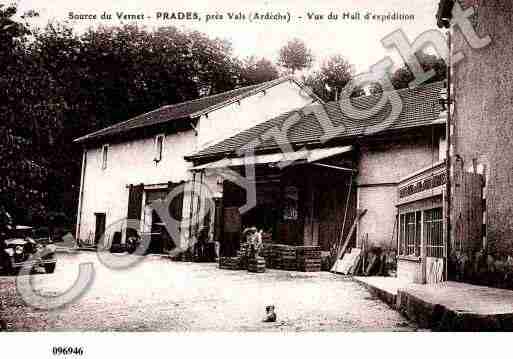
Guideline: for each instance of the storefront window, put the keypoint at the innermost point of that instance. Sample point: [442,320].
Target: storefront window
[410,234]
[433,230]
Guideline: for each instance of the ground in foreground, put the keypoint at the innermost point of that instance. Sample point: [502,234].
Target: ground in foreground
[160,295]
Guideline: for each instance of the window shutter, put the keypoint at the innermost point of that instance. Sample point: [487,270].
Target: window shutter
[159,146]
[135,196]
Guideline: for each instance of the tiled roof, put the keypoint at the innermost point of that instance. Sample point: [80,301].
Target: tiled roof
[420,107]
[189,109]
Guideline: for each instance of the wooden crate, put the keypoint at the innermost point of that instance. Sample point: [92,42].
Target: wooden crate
[256,265]
[230,263]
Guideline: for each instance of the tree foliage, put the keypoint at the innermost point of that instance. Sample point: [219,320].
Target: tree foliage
[333,75]
[256,71]
[295,56]
[402,77]
[59,85]
[24,170]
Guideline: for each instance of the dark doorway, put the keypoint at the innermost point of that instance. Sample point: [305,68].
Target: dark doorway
[161,241]
[101,220]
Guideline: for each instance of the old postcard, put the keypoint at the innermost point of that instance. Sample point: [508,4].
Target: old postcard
[253,166]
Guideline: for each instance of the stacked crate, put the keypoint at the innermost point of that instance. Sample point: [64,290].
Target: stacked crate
[287,257]
[256,265]
[267,238]
[244,250]
[267,253]
[308,258]
[272,256]
[243,254]
[275,257]
[230,263]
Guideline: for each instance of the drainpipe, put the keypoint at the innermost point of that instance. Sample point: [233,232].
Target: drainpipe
[81,195]
[191,205]
[448,153]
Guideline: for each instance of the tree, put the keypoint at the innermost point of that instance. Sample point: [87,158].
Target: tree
[295,56]
[24,170]
[255,71]
[332,77]
[402,77]
[58,86]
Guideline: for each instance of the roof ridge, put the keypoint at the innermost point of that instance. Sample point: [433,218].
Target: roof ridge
[244,91]
[248,87]
[407,94]
[404,89]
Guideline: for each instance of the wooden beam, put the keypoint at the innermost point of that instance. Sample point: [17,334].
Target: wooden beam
[345,169]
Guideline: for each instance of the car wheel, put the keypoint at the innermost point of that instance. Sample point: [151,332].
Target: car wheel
[50,268]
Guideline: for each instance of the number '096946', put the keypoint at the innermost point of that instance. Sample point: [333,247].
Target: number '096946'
[67,351]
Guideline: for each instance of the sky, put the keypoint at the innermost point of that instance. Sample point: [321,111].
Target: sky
[356,40]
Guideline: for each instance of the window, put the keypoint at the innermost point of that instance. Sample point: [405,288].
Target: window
[433,232]
[410,234]
[418,226]
[105,154]
[442,149]
[159,144]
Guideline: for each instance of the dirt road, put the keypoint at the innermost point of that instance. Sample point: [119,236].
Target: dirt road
[160,295]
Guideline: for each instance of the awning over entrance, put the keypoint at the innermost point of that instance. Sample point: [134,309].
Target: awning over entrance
[307,156]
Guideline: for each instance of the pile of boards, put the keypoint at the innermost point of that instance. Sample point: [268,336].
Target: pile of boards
[254,265]
[230,263]
[292,258]
[349,263]
[373,262]
[243,261]
[308,259]
[275,256]
[285,257]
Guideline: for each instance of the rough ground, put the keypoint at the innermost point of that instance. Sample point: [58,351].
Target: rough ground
[160,295]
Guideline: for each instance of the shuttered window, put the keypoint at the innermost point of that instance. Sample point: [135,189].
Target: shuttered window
[105,156]
[159,146]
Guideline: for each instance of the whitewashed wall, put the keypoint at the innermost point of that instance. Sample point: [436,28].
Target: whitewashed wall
[251,111]
[105,190]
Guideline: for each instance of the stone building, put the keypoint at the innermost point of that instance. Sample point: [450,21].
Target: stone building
[482,129]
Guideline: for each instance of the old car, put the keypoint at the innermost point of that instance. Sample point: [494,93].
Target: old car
[24,250]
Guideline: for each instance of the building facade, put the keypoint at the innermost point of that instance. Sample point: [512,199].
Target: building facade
[131,164]
[315,199]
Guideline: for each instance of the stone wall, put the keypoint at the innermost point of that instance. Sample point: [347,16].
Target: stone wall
[483,138]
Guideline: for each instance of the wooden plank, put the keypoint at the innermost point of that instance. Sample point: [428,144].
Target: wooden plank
[364,250]
[371,265]
[348,263]
[355,264]
[435,270]
[359,214]
[467,212]
[336,266]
